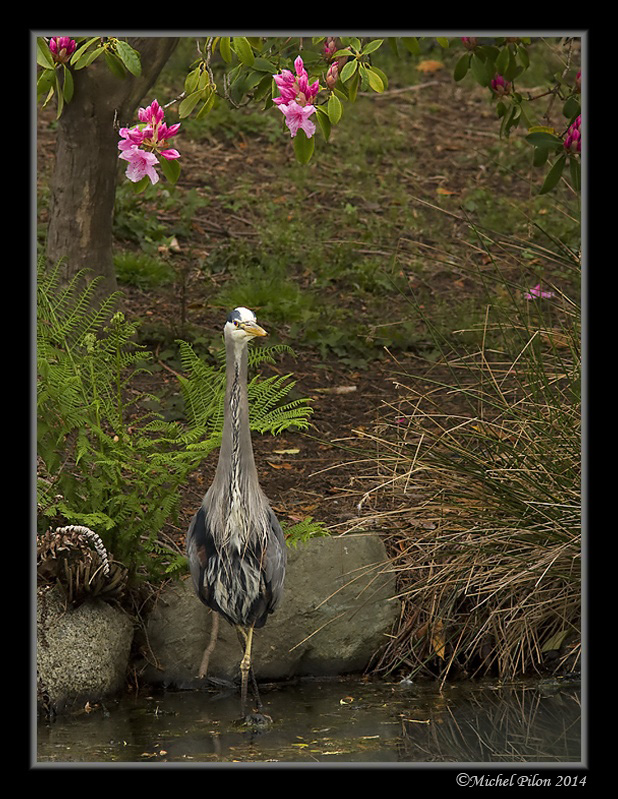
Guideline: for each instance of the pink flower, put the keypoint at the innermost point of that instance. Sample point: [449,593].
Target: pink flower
[297,118]
[163,132]
[330,47]
[332,75]
[133,137]
[140,146]
[500,86]
[62,47]
[537,292]
[295,87]
[295,98]
[152,115]
[141,164]
[573,138]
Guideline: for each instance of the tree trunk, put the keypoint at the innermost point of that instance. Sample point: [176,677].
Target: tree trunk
[84,178]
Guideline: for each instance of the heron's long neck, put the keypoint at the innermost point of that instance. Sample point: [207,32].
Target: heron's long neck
[236,467]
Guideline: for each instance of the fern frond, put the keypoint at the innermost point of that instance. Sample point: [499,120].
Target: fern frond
[302,531]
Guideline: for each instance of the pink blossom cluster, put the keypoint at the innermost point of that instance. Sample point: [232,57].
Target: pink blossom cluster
[295,98]
[538,292]
[330,48]
[62,48]
[500,85]
[573,138]
[141,146]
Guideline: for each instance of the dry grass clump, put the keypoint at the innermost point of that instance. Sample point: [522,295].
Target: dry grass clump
[481,461]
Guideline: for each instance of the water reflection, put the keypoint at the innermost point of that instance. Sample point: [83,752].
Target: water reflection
[328,722]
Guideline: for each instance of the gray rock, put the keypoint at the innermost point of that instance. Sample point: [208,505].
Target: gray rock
[336,611]
[82,653]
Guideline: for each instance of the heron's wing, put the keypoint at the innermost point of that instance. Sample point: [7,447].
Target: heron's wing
[274,561]
[200,548]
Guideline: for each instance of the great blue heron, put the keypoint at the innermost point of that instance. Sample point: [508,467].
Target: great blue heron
[235,545]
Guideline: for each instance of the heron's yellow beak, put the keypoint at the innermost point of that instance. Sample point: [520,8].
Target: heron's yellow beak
[253,329]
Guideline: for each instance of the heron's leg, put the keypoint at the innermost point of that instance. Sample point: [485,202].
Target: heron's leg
[256,693]
[214,631]
[245,666]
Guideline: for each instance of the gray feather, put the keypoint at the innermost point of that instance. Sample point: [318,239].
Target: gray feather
[235,546]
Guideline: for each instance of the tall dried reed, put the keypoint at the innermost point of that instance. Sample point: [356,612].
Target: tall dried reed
[480,460]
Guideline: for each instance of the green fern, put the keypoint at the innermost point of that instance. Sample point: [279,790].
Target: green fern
[302,531]
[204,395]
[105,460]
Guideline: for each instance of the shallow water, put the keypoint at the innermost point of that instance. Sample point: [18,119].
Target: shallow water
[334,721]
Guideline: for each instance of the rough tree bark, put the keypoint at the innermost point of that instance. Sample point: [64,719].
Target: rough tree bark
[86,168]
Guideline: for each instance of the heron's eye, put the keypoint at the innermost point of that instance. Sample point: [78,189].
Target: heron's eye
[236,322]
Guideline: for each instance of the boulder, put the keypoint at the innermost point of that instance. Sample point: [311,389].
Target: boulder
[337,609]
[82,652]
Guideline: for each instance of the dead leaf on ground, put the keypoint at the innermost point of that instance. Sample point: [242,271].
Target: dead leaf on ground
[429,66]
[337,390]
[437,640]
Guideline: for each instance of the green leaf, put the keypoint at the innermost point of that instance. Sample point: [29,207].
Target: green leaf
[45,81]
[372,46]
[263,65]
[129,57]
[82,49]
[442,41]
[349,68]
[243,50]
[207,105]
[502,61]
[352,87]
[335,109]
[188,103]
[480,70]
[171,169]
[351,41]
[382,75]
[303,147]
[323,121]
[59,94]
[523,56]
[462,67]
[540,156]
[571,108]
[114,65]
[67,85]
[375,81]
[88,57]
[225,49]
[541,139]
[43,53]
[554,175]
[576,173]
[191,81]
[264,88]
[411,44]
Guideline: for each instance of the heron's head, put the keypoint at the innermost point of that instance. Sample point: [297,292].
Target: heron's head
[241,325]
